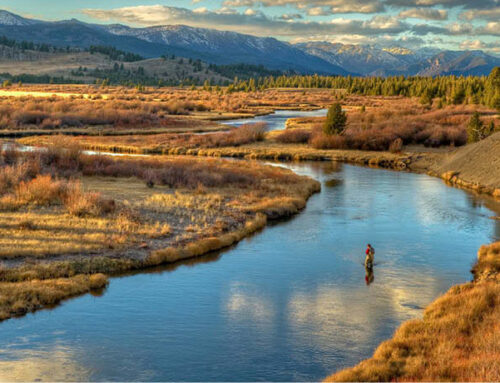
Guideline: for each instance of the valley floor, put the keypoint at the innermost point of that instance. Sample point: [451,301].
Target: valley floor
[457,339]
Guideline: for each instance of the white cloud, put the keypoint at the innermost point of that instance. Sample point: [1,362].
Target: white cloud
[424,14]
[480,45]
[247,22]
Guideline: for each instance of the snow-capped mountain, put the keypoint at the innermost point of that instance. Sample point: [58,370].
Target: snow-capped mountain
[223,47]
[376,61]
[8,18]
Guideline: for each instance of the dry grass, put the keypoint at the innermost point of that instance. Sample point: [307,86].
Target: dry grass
[457,339]
[386,123]
[294,136]
[488,264]
[22,297]
[34,110]
[59,208]
[389,120]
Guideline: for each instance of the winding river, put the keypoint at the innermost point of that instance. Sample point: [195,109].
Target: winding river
[291,303]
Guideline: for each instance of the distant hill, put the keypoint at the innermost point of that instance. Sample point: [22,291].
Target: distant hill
[46,63]
[212,46]
[26,61]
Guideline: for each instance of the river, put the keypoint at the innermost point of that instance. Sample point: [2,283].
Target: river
[276,120]
[291,303]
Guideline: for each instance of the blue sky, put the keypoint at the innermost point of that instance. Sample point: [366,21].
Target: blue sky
[452,24]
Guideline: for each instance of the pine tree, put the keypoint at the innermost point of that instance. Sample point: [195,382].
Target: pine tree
[475,128]
[335,120]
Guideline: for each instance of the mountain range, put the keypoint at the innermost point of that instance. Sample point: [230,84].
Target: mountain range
[222,47]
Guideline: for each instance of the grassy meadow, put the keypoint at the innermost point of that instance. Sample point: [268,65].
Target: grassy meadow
[66,217]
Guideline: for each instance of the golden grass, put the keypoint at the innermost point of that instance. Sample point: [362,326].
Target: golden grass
[50,231]
[205,245]
[488,263]
[457,339]
[22,297]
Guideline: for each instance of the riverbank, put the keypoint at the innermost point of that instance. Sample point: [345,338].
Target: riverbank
[456,340]
[475,167]
[66,217]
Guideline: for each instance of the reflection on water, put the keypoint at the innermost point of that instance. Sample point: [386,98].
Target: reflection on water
[291,303]
[369,275]
[55,364]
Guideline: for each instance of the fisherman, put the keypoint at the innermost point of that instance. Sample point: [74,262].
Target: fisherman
[370,256]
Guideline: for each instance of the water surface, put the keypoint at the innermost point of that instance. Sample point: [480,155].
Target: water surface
[290,303]
[276,120]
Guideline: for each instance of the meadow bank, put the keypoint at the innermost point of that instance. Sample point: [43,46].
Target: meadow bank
[68,218]
[481,174]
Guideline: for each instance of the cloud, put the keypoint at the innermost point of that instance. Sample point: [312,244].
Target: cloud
[293,16]
[368,6]
[467,4]
[317,7]
[492,29]
[424,14]
[480,45]
[248,22]
[492,14]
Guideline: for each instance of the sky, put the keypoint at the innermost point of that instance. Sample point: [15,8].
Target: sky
[448,24]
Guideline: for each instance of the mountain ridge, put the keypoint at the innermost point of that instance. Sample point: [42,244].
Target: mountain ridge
[370,60]
[225,47]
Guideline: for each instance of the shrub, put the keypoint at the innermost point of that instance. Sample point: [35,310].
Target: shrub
[323,141]
[475,128]
[245,134]
[294,136]
[83,204]
[396,146]
[97,281]
[42,190]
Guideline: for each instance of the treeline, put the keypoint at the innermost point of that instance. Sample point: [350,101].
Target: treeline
[31,46]
[483,90]
[27,78]
[245,71]
[111,52]
[115,54]
[138,77]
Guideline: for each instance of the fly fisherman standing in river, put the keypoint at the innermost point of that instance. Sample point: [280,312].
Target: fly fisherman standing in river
[370,256]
